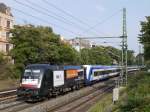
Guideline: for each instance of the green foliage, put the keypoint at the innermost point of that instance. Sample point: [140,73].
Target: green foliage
[3,60]
[85,56]
[138,94]
[131,58]
[68,55]
[147,64]
[7,69]
[40,45]
[34,44]
[99,55]
[145,37]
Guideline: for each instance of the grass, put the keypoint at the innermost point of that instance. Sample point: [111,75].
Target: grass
[8,83]
[106,104]
[102,104]
[135,98]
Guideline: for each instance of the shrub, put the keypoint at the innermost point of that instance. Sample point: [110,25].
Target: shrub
[138,94]
[7,69]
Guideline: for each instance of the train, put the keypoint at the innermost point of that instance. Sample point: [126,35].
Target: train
[40,81]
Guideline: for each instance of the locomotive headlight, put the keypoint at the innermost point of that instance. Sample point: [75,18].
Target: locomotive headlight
[36,92]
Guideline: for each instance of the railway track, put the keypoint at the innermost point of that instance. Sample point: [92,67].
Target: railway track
[55,104]
[68,101]
[8,94]
[83,104]
[8,98]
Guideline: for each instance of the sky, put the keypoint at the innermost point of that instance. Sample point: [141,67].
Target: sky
[84,18]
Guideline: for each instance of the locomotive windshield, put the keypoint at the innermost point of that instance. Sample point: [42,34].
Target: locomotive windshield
[32,78]
[32,74]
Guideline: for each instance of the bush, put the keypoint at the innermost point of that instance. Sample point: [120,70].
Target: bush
[138,94]
[148,64]
[7,69]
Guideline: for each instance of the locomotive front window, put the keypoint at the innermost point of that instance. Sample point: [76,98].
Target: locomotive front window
[32,74]
[36,73]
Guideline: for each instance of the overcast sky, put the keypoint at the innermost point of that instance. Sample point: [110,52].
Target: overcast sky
[74,18]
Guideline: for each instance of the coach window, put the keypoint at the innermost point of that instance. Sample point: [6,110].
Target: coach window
[100,73]
[103,72]
[118,70]
[96,73]
[108,71]
[113,71]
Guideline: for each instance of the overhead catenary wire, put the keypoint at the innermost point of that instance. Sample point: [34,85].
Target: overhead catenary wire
[41,12]
[66,20]
[102,22]
[48,14]
[70,15]
[45,21]
[55,14]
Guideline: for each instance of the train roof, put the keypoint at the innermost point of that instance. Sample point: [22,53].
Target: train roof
[53,67]
[101,67]
[66,67]
[43,66]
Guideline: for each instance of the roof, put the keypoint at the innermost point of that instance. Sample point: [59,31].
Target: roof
[67,67]
[52,67]
[42,66]
[4,9]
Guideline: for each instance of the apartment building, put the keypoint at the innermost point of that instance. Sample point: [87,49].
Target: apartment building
[6,23]
[81,43]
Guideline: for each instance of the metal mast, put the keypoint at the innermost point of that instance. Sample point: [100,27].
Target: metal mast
[124,72]
[124,49]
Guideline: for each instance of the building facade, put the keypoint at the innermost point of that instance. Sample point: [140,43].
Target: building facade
[79,44]
[6,23]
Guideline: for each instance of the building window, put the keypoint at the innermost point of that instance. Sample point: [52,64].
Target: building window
[7,48]
[8,24]
[0,21]
[77,44]
[7,35]
[3,34]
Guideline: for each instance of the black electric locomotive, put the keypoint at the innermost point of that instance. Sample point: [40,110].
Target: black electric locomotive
[43,80]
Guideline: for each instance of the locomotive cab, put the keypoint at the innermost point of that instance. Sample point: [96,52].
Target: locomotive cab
[35,81]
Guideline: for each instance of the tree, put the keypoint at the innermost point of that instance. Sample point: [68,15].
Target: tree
[85,57]
[68,55]
[39,45]
[145,37]
[114,53]
[32,44]
[7,69]
[105,56]
[100,56]
[96,55]
[131,58]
